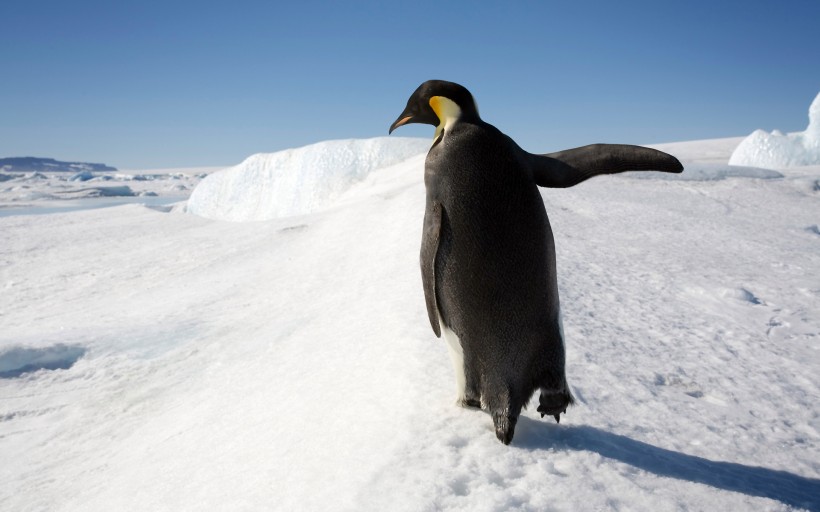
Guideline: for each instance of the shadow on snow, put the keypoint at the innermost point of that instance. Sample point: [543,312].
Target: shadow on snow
[788,488]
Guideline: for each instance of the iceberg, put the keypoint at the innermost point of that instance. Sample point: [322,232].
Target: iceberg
[775,149]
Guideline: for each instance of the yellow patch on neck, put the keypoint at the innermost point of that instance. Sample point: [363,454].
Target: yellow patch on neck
[446,110]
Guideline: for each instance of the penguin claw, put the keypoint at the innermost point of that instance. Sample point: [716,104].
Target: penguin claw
[556,416]
[554,405]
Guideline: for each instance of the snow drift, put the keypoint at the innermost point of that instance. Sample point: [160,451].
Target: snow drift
[763,149]
[296,181]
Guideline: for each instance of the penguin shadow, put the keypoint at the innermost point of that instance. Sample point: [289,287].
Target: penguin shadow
[788,488]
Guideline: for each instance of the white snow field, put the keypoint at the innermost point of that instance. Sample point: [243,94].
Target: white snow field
[155,360]
[763,149]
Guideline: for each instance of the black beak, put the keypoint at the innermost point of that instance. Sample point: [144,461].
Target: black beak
[403,119]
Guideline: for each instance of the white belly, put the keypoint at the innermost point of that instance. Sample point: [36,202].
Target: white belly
[457,357]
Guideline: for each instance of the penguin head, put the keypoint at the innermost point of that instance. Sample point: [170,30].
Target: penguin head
[438,103]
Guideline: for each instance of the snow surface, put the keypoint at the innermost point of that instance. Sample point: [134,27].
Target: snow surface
[296,181]
[164,361]
[773,150]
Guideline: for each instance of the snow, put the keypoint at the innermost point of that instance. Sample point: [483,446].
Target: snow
[296,181]
[774,150]
[165,361]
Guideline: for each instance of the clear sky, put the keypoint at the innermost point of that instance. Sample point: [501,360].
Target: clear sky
[170,84]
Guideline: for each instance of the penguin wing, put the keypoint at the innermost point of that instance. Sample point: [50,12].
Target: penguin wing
[429,248]
[572,166]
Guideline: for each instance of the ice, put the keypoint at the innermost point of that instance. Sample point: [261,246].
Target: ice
[56,190]
[296,181]
[82,176]
[18,360]
[114,191]
[706,171]
[776,150]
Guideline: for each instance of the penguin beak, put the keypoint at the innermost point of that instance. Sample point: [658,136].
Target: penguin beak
[402,120]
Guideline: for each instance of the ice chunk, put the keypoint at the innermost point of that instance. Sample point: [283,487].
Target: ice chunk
[82,176]
[296,181]
[763,149]
[81,193]
[17,360]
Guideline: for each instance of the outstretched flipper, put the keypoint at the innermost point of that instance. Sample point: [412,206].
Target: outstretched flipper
[429,248]
[572,166]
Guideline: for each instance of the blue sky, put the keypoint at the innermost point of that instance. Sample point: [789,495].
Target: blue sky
[164,84]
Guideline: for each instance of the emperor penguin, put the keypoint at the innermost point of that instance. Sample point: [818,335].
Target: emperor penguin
[488,255]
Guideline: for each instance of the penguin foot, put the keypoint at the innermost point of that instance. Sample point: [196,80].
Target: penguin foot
[554,404]
[504,427]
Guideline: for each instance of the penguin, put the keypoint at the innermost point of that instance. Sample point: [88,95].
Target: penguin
[488,256]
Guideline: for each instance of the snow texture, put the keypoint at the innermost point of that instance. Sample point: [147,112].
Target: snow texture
[776,150]
[164,361]
[296,181]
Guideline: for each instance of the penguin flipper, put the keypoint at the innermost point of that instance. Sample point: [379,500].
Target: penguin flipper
[429,248]
[572,166]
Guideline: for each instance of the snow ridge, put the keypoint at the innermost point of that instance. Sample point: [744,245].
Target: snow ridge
[296,181]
